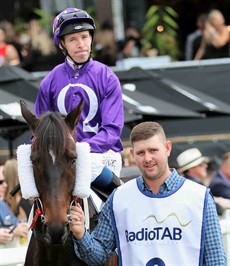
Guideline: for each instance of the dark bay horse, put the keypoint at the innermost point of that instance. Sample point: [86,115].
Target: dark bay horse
[53,158]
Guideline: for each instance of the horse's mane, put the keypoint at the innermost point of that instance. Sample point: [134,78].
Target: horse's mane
[52,132]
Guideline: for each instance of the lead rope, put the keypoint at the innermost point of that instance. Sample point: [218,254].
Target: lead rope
[86,211]
[38,212]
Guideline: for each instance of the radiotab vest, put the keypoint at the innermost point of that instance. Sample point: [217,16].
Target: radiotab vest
[162,230]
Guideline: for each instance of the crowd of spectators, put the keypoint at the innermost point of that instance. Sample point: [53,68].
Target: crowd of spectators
[34,49]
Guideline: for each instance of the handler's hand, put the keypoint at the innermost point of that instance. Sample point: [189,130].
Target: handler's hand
[77,226]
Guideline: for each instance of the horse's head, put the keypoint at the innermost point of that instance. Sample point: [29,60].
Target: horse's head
[53,156]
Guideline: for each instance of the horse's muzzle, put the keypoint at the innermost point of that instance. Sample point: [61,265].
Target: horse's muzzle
[56,234]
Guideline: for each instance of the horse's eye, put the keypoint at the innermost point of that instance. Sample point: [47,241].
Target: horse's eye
[73,162]
[33,162]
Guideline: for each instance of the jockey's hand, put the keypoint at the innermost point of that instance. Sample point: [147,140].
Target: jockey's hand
[77,226]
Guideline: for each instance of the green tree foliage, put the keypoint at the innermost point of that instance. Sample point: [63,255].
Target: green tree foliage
[160,30]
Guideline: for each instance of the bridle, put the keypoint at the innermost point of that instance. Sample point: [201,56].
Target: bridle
[39,212]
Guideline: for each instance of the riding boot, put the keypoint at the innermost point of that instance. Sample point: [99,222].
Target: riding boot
[105,183]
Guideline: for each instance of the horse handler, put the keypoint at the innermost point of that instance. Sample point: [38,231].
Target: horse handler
[159,218]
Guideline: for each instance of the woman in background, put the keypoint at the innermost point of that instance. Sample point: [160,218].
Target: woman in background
[8,53]
[19,206]
[10,226]
[39,53]
[216,38]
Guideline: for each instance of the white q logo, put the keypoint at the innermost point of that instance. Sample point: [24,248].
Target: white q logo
[93,105]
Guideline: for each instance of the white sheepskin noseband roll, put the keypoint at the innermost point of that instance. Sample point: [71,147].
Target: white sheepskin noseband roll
[25,172]
[26,175]
[83,171]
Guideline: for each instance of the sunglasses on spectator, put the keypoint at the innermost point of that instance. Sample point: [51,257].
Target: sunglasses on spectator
[2,181]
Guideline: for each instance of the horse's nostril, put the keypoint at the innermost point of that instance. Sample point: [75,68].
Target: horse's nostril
[56,234]
[47,239]
[66,234]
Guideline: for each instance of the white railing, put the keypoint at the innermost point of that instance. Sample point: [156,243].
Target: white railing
[13,254]
[225,228]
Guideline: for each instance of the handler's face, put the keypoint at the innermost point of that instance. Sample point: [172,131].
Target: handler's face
[151,157]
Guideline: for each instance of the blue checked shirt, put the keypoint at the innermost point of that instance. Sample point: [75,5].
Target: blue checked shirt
[96,248]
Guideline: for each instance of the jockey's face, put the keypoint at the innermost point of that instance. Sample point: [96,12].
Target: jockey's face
[78,45]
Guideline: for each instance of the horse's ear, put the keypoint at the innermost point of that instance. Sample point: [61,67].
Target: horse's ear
[73,117]
[30,118]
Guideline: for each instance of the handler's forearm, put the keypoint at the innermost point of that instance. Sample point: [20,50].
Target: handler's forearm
[90,250]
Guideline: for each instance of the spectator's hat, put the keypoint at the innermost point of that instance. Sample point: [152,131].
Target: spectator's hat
[190,158]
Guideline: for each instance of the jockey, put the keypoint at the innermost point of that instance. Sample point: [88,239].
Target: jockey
[79,76]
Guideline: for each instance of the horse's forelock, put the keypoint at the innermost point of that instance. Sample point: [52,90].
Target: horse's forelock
[51,134]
